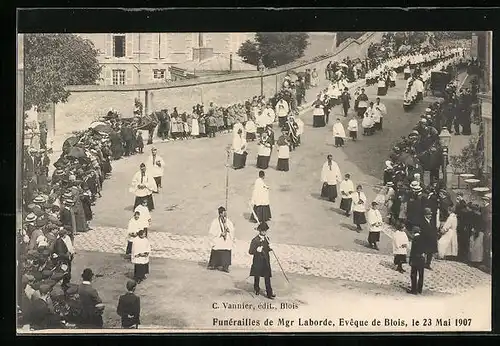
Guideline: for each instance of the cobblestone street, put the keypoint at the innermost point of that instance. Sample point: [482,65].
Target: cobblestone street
[446,276]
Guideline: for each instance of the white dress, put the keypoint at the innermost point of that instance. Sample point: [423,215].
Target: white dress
[195,127]
[448,243]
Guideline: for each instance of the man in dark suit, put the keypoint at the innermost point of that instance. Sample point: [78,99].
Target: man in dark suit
[63,248]
[91,303]
[68,217]
[129,307]
[463,231]
[430,236]
[261,265]
[42,312]
[417,261]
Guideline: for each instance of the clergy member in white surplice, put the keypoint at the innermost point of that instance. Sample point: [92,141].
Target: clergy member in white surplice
[260,200]
[156,166]
[374,219]
[346,190]
[239,150]
[221,235]
[379,108]
[269,115]
[338,133]
[143,185]
[330,176]
[135,224]
[238,126]
[144,215]
[141,250]
[282,110]
[400,247]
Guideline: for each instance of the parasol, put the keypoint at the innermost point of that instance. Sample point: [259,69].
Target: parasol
[70,142]
[407,159]
[95,123]
[77,153]
[103,128]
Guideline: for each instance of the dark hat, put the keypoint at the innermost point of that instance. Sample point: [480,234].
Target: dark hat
[46,274]
[262,226]
[221,209]
[44,289]
[87,274]
[72,289]
[40,222]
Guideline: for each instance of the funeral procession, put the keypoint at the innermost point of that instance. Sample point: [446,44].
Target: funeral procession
[329,181]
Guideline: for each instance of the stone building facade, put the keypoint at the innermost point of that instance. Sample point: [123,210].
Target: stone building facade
[145,58]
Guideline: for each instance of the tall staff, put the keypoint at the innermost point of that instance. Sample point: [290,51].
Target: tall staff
[228,151]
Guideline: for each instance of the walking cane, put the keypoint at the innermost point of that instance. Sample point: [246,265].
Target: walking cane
[277,260]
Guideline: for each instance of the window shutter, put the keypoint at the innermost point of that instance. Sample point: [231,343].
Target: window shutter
[147,46]
[128,77]
[163,45]
[108,76]
[129,45]
[154,45]
[108,45]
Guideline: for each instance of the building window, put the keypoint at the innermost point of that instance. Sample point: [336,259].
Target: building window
[119,46]
[118,77]
[159,73]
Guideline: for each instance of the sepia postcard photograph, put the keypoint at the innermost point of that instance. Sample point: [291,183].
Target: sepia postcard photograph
[229,181]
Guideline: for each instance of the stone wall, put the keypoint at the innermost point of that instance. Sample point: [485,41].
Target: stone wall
[87,103]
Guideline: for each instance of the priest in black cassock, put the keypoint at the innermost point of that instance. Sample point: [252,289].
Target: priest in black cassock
[318,113]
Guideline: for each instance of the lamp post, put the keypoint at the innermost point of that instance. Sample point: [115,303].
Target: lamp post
[261,70]
[444,140]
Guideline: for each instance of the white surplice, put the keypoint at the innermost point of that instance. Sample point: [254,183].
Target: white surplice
[140,245]
[282,108]
[155,169]
[347,187]
[448,243]
[264,149]
[268,115]
[135,226]
[399,239]
[283,152]
[215,233]
[331,174]
[147,180]
[260,194]
[144,215]
[358,197]
[338,130]
[352,125]
[250,127]
[374,219]
[239,144]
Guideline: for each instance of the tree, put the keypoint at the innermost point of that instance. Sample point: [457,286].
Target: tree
[274,47]
[344,35]
[53,61]
[249,52]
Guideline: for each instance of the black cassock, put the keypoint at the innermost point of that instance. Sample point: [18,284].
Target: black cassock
[261,266]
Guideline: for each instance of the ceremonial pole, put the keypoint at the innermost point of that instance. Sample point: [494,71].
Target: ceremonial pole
[228,151]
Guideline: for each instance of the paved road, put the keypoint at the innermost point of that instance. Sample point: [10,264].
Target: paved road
[195,184]
[373,268]
[194,188]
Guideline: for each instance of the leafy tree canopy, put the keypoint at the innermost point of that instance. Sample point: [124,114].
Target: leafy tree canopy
[274,48]
[53,61]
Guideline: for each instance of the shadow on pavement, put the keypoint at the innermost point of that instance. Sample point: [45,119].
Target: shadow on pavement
[350,227]
[338,211]
[362,242]
[316,196]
